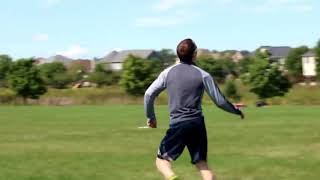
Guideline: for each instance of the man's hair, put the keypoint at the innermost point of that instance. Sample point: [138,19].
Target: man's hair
[185,50]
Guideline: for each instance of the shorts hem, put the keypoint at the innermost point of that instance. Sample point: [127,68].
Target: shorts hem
[165,158]
[198,160]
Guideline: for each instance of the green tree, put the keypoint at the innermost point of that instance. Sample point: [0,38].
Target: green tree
[167,57]
[138,74]
[54,75]
[103,76]
[100,79]
[24,78]
[218,68]
[317,49]
[231,91]
[101,68]
[267,81]
[76,72]
[293,62]
[212,66]
[229,67]
[263,54]
[5,63]
[245,63]
[61,80]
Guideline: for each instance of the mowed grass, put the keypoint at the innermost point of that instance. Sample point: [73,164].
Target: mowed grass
[103,142]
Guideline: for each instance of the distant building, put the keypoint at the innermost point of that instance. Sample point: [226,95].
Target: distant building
[87,64]
[207,52]
[309,64]
[234,55]
[228,53]
[115,59]
[57,58]
[239,55]
[277,53]
[39,61]
[216,54]
[203,52]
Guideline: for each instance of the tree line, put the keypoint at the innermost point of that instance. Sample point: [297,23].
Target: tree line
[264,78]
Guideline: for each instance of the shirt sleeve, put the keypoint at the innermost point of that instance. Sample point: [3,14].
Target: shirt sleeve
[150,95]
[217,97]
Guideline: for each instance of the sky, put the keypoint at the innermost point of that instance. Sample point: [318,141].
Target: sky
[87,29]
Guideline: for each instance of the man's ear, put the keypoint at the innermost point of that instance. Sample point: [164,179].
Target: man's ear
[194,56]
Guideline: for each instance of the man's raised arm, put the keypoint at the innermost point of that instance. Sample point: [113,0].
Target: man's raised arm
[152,92]
[217,97]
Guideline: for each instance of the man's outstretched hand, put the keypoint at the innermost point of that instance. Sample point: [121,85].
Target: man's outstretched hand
[241,115]
[152,123]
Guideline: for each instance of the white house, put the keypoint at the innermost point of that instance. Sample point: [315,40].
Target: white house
[309,64]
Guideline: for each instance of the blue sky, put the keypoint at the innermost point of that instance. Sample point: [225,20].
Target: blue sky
[86,29]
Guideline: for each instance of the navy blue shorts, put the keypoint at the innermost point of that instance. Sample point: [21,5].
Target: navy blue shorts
[192,134]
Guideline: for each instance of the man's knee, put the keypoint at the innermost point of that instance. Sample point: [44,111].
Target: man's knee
[202,165]
[162,162]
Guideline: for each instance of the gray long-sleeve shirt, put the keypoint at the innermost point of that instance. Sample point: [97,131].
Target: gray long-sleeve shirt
[185,85]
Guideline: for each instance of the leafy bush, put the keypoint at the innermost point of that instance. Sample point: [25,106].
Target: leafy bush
[138,74]
[54,75]
[103,77]
[76,72]
[267,80]
[7,96]
[218,68]
[244,64]
[5,64]
[293,62]
[231,91]
[61,80]
[24,79]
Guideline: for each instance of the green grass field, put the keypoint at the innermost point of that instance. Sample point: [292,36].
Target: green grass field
[103,142]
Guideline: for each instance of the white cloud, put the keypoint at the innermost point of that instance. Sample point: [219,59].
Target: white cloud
[281,5]
[117,49]
[165,5]
[40,37]
[74,51]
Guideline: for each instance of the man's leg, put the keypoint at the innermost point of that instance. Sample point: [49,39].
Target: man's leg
[164,167]
[171,147]
[206,173]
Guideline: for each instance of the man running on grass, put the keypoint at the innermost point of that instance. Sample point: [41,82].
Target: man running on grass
[185,83]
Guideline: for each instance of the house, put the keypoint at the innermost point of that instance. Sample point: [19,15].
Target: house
[234,55]
[68,62]
[87,64]
[39,61]
[216,54]
[203,52]
[228,53]
[207,52]
[309,65]
[115,59]
[239,55]
[57,58]
[278,54]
